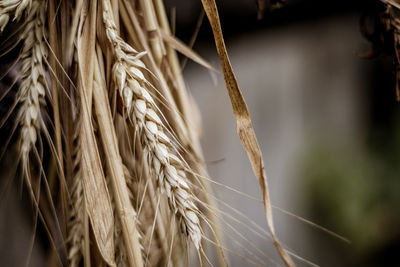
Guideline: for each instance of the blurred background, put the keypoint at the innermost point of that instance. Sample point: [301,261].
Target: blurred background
[327,122]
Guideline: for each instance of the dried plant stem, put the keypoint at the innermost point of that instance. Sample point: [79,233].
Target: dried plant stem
[127,214]
[97,198]
[56,108]
[120,248]
[181,97]
[150,22]
[159,219]
[115,10]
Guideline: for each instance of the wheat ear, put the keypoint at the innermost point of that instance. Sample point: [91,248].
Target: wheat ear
[76,223]
[12,6]
[76,216]
[33,81]
[141,107]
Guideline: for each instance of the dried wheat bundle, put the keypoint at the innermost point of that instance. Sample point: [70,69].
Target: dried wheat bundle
[119,178]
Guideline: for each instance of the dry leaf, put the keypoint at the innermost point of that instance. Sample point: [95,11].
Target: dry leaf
[243,122]
[116,170]
[185,50]
[97,198]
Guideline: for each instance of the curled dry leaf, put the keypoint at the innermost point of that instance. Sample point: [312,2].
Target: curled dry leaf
[97,198]
[243,121]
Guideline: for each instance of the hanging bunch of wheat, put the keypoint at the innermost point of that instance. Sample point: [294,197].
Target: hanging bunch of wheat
[100,82]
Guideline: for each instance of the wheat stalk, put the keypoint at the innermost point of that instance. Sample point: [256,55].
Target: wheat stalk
[33,81]
[140,105]
[121,255]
